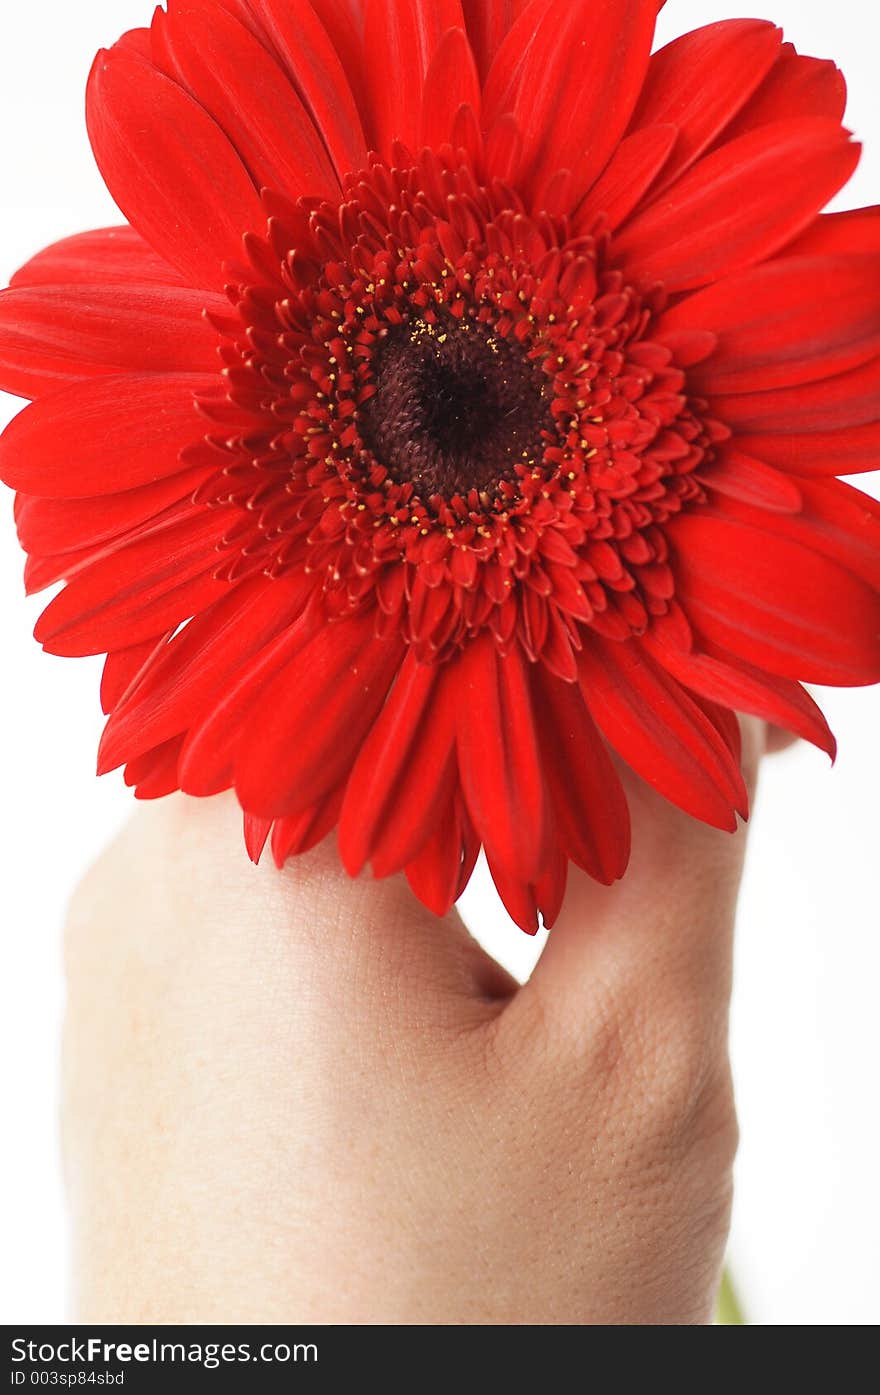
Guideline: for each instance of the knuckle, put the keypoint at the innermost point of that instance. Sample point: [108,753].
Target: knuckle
[684,1065]
[665,1070]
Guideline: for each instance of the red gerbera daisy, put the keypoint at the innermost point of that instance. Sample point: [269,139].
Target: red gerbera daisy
[465,394]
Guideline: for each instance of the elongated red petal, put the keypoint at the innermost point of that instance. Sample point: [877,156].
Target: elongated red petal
[407,34]
[192,673]
[335,689]
[405,773]
[630,172]
[856,230]
[501,771]
[787,322]
[738,53]
[573,114]
[840,522]
[122,666]
[702,227]
[488,22]
[343,21]
[54,335]
[50,527]
[256,832]
[229,73]
[520,898]
[847,399]
[742,687]
[795,86]
[848,451]
[660,731]
[101,436]
[154,774]
[739,476]
[316,69]
[584,788]
[207,759]
[450,83]
[303,831]
[776,603]
[156,581]
[106,256]
[170,168]
[435,872]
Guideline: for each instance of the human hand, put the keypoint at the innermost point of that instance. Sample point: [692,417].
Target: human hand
[290,1097]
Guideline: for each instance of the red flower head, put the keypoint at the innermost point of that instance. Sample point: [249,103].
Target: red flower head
[465,394]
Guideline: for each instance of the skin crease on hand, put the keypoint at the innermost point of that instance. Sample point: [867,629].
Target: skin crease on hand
[290,1097]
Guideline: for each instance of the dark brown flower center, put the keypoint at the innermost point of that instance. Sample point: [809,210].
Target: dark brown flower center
[456,406]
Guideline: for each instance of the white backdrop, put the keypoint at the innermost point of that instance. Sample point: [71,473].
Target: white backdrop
[806,1235]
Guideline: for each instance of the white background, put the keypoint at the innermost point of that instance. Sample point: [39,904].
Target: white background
[806,1237]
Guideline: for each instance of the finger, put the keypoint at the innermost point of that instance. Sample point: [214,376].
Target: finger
[664,934]
[778,739]
[179,886]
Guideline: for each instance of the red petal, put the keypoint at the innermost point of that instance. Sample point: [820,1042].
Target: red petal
[170,168]
[739,476]
[154,774]
[738,53]
[207,761]
[256,831]
[744,688]
[857,230]
[105,257]
[660,731]
[229,73]
[850,451]
[776,603]
[403,775]
[151,584]
[101,436]
[840,522]
[795,86]
[298,834]
[122,666]
[584,788]
[790,321]
[500,765]
[311,719]
[401,40]
[343,21]
[451,82]
[572,114]
[307,52]
[435,874]
[630,172]
[847,399]
[550,888]
[191,674]
[520,898]
[739,204]
[487,24]
[50,527]
[54,335]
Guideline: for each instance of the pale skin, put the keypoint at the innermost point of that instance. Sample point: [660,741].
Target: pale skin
[290,1097]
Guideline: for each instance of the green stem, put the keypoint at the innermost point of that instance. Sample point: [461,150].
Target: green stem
[729,1313]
